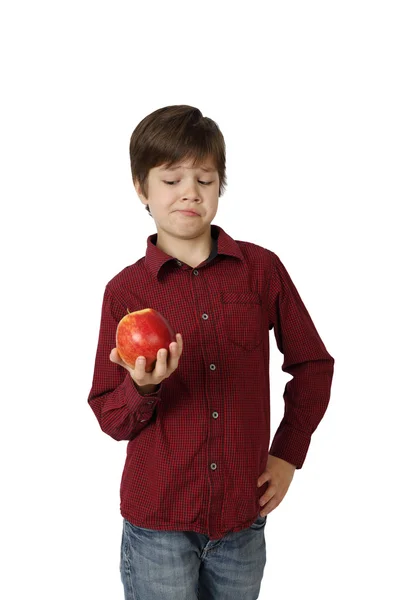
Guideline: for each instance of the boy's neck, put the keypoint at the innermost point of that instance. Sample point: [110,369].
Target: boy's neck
[191,252]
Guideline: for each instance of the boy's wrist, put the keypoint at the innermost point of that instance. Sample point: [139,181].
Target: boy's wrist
[146,389]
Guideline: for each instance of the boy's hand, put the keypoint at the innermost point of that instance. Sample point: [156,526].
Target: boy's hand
[279,474]
[166,364]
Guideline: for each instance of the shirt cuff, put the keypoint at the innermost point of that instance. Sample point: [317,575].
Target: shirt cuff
[291,445]
[137,402]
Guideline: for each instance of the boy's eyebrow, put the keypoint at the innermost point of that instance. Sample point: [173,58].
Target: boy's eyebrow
[179,166]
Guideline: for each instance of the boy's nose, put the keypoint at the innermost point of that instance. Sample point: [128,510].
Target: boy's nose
[191,193]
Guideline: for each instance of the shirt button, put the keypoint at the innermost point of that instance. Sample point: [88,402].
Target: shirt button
[213,466]
[212,367]
[215,414]
[151,402]
[178,262]
[204,316]
[195,272]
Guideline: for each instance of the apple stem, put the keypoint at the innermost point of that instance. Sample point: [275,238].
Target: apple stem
[128,311]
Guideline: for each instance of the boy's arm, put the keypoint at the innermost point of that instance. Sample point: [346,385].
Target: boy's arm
[122,409]
[307,394]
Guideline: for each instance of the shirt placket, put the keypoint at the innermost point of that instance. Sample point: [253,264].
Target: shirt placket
[213,396]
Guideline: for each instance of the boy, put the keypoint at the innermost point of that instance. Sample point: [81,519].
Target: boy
[199,478]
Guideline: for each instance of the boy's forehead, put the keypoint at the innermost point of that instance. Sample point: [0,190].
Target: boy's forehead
[205,166]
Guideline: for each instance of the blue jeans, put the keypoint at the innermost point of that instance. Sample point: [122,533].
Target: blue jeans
[184,565]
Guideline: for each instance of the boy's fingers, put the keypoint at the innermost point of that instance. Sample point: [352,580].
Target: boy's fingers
[140,364]
[180,342]
[166,361]
[161,363]
[115,357]
[176,347]
[175,353]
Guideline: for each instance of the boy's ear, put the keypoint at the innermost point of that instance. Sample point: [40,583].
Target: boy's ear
[138,189]
[139,192]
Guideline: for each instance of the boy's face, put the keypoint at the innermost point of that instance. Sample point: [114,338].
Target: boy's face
[178,188]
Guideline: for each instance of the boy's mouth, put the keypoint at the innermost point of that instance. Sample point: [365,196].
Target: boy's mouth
[189,213]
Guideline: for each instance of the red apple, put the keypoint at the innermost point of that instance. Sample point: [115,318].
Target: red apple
[143,333]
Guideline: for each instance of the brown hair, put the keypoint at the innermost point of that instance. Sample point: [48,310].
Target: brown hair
[171,134]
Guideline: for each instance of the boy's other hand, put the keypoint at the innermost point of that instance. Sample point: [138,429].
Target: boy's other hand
[166,364]
[279,474]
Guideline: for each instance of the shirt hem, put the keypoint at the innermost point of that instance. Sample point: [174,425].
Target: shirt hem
[190,526]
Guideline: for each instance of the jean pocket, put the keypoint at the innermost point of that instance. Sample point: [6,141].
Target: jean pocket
[259,523]
[242,314]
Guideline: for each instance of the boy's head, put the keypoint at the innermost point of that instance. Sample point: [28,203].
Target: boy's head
[172,136]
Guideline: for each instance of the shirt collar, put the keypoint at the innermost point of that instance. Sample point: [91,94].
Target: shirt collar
[222,243]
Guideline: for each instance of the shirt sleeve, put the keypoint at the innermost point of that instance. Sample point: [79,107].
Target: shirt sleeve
[121,410]
[307,394]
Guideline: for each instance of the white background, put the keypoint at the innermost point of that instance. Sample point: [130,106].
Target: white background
[307,97]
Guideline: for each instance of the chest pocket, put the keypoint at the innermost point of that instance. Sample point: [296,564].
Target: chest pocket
[242,318]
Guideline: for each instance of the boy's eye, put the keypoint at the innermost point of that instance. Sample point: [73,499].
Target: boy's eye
[203,182]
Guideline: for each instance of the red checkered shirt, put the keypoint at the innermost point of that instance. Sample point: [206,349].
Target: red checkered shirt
[197,446]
